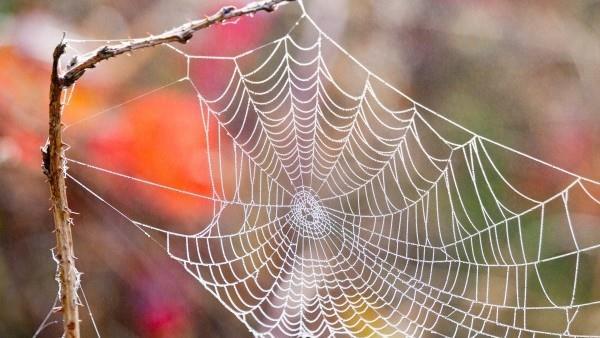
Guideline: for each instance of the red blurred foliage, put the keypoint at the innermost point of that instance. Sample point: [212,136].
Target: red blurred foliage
[230,39]
[160,138]
[226,40]
[157,314]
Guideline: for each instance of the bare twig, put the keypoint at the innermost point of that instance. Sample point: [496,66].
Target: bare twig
[180,34]
[54,166]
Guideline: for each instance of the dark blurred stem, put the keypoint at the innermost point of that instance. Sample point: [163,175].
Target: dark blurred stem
[55,170]
[53,152]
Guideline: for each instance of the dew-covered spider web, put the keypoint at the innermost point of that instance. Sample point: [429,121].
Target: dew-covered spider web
[349,209]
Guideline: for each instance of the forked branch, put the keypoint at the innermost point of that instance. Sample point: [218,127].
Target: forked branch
[53,152]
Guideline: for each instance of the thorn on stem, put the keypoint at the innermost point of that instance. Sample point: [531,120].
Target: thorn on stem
[105,52]
[73,62]
[227,9]
[45,159]
[185,36]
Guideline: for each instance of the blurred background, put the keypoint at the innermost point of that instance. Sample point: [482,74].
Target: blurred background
[525,73]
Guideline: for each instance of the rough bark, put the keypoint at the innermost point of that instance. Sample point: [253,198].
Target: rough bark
[55,169]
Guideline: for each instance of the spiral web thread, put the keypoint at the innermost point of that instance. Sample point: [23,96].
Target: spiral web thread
[361,219]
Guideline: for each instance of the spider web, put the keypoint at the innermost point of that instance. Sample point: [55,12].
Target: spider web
[368,214]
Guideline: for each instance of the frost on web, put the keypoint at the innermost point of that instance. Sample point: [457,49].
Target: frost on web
[367,214]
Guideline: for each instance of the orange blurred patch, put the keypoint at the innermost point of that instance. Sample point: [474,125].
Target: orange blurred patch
[24,103]
[23,100]
[160,138]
